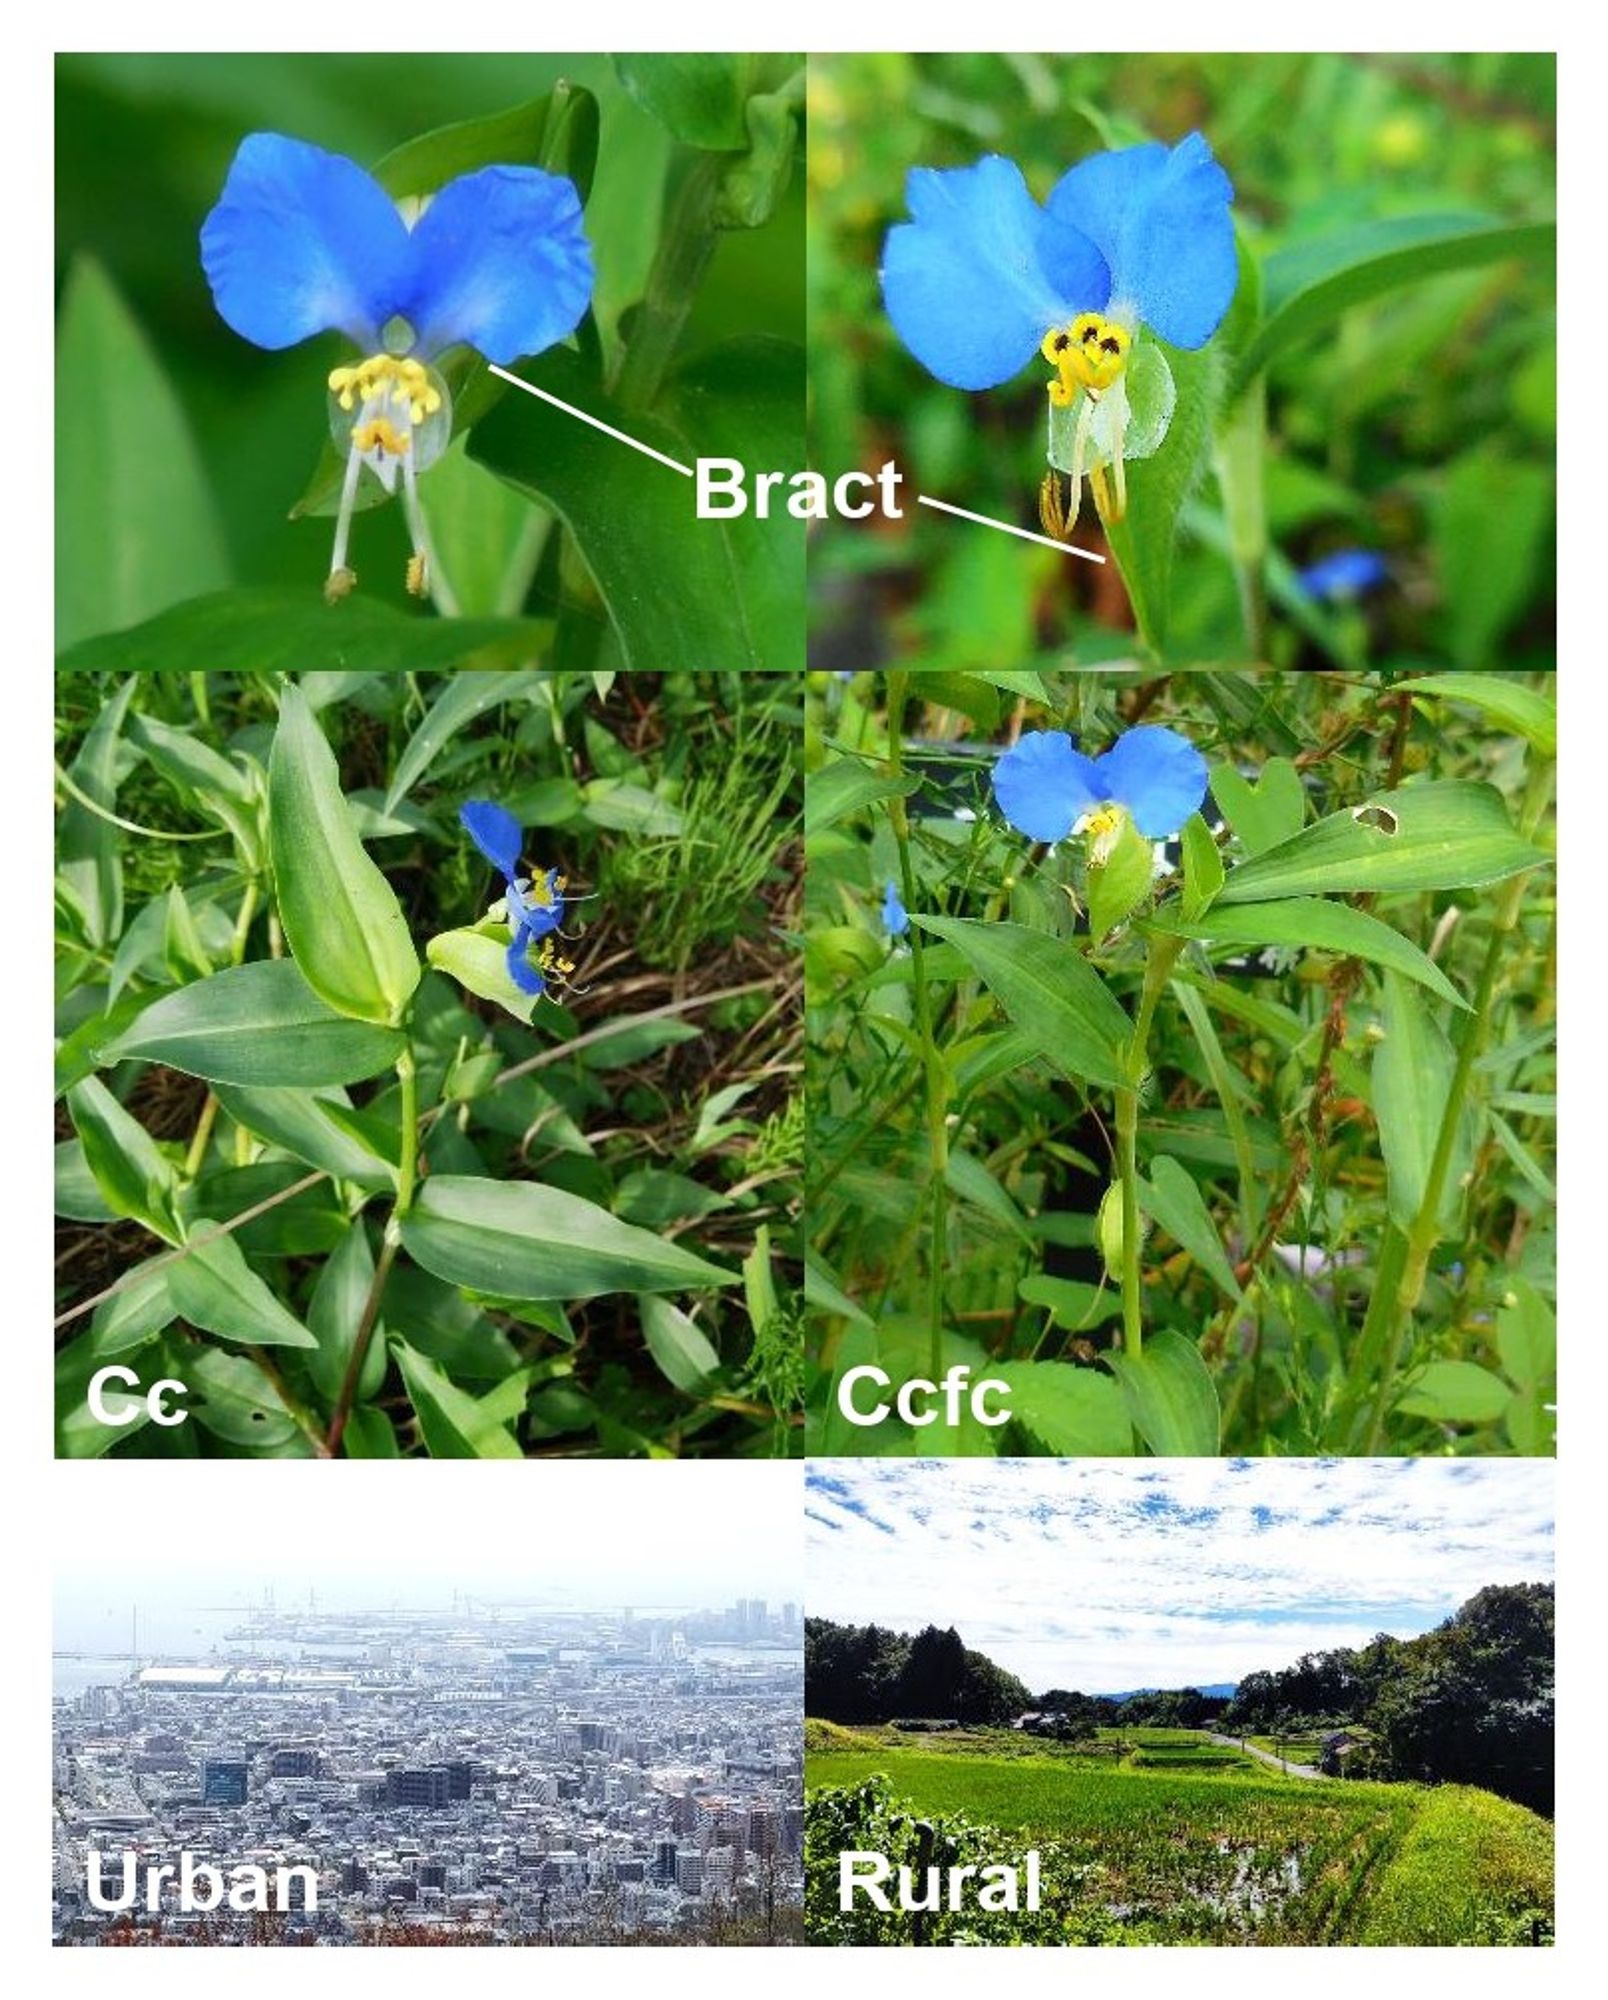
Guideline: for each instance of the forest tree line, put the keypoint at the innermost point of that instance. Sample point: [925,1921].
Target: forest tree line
[1470,1702]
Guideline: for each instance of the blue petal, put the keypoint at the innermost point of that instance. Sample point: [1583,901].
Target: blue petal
[1044,786]
[1346,574]
[895,917]
[495,832]
[520,970]
[500,261]
[1161,220]
[1157,774]
[302,241]
[963,281]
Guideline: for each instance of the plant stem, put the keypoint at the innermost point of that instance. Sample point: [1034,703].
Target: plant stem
[209,1110]
[1399,1285]
[686,243]
[936,1073]
[1160,959]
[407,1071]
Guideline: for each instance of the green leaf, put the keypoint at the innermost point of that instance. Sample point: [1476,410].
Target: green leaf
[215,1289]
[295,1118]
[478,960]
[369,1434]
[678,1344]
[1310,285]
[1527,1341]
[141,1307]
[464,697]
[1172,1200]
[702,98]
[1073,1305]
[288,630]
[1120,883]
[1455,1392]
[557,132]
[519,1240]
[86,843]
[1524,710]
[1310,923]
[844,786]
[236,1401]
[136,529]
[822,1290]
[1144,540]
[1170,1395]
[342,921]
[966,1176]
[1435,835]
[1049,990]
[451,1421]
[334,1314]
[1069,1412]
[79,1054]
[1203,867]
[134,1176]
[717,593]
[1412,1080]
[1266,813]
[255,1024]
[1489,557]
[77,1196]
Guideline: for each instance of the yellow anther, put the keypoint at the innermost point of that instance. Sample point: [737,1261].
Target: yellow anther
[379,434]
[340,583]
[418,580]
[1090,353]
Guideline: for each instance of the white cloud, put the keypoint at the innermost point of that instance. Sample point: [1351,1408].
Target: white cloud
[1104,1574]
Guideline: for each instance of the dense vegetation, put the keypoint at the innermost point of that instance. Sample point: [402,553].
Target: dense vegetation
[862,1673]
[1140,1853]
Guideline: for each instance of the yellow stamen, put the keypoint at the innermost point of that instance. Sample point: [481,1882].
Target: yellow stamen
[381,435]
[1089,353]
[418,580]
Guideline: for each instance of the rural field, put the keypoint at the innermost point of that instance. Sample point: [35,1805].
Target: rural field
[1163,1837]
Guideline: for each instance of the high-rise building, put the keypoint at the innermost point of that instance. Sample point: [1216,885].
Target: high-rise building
[428,1788]
[224,1784]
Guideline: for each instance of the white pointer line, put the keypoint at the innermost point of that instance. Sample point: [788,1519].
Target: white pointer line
[1005,528]
[598,424]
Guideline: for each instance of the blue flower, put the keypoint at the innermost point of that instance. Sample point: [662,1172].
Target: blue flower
[535,908]
[895,917]
[303,242]
[981,278]
[1047,789]
[1344,576]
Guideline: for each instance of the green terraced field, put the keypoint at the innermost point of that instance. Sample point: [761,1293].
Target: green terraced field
[1153,1848]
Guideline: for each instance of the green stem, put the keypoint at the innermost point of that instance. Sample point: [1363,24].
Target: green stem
[209,1110]
[937,1075]
[407,1071]
[1162,956]
[1241,456]
[686,243]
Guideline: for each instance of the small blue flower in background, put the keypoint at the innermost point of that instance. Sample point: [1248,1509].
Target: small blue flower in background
[535,908]
[895,917]
[1344,576]
[1047,788]
[303,242]
[981,278]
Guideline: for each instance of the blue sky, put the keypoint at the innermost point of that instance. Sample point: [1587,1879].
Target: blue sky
[1105,1574]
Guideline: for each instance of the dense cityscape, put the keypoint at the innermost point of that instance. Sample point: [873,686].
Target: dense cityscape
[481,1776]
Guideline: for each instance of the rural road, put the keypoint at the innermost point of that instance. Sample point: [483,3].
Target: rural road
[1267,1757]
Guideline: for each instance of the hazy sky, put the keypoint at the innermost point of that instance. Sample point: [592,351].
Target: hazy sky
[591,1534]
[1111,1575]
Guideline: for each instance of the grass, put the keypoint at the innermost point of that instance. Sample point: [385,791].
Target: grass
[1175,1848]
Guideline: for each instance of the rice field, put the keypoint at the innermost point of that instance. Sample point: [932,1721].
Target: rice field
[1166,1845]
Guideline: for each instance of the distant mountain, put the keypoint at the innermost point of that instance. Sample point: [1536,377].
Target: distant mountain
[1224,1688]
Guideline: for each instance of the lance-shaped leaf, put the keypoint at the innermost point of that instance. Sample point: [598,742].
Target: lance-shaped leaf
[519,1240]
[341,918]
[255,1024]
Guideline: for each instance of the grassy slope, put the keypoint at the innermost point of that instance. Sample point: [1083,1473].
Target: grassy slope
[1473,1869]
[1383,1864]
